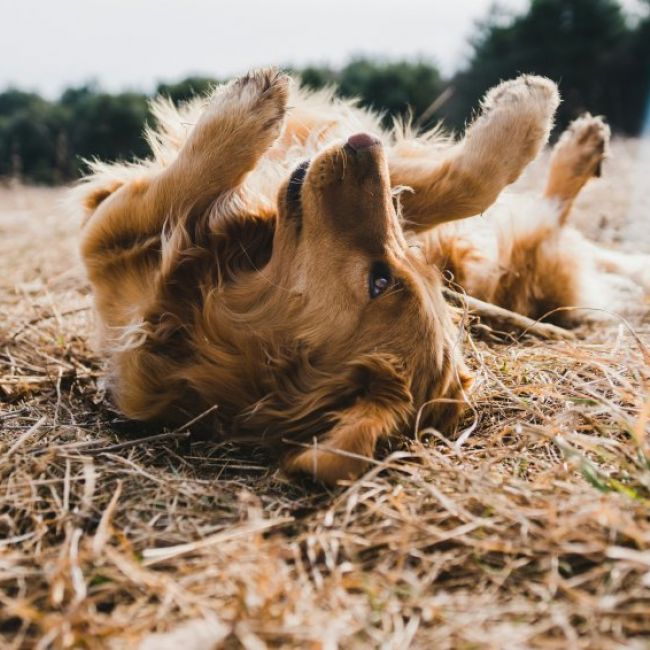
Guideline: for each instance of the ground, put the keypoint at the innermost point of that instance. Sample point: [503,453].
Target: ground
[530,530]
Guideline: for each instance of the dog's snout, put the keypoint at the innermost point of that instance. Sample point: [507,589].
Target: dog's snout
[346,167]
[360,141]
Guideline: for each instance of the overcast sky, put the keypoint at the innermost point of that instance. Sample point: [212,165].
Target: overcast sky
[46,45]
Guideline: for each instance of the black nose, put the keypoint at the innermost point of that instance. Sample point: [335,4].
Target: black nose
[360,141]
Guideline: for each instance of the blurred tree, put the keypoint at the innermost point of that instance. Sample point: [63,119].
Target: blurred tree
[394,88]
[31,133]
[187,88]
[581,44]
[13,100]
[104,126]
[637,67]
[316,77]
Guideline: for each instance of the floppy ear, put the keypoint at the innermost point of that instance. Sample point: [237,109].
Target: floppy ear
[346,449]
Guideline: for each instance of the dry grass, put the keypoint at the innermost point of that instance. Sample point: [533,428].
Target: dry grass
[532,530]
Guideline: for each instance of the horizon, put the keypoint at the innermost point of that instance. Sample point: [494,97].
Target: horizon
[225,41]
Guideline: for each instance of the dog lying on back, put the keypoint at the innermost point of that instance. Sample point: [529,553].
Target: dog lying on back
[280,258]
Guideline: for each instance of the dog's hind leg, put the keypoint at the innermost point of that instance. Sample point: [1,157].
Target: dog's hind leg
[577,157]
[545,264]
[514,125]
[548,265]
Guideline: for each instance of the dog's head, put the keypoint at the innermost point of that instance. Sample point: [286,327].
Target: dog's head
[371,345]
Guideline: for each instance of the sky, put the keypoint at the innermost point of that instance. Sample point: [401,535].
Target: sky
[46,45]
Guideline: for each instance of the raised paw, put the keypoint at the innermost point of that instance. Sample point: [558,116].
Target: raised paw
[515,122]
[241,121]
[265,92]
[528,93]
[581,149]
[257,101]
[577,157]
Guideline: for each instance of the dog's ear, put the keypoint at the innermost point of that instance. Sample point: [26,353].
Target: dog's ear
[381,407]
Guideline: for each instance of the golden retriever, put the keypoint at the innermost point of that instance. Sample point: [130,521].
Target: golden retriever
[278,261]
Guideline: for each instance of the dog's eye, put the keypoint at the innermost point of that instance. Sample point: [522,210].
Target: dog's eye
[379,279]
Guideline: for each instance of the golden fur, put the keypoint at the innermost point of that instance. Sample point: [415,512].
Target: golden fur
[223,280]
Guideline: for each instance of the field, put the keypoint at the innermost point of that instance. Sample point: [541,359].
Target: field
[531,530]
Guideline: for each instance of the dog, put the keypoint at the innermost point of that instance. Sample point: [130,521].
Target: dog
[277,265]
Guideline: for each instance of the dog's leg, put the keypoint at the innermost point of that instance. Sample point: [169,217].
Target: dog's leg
[547,264]
[577,157]
[346,451]
[241,121]
[514,125]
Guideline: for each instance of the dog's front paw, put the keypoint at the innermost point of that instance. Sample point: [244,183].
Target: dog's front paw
[249,110]
[530,96]
[516,120]
[264,92]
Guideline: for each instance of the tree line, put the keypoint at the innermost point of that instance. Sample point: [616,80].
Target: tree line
[592,48]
